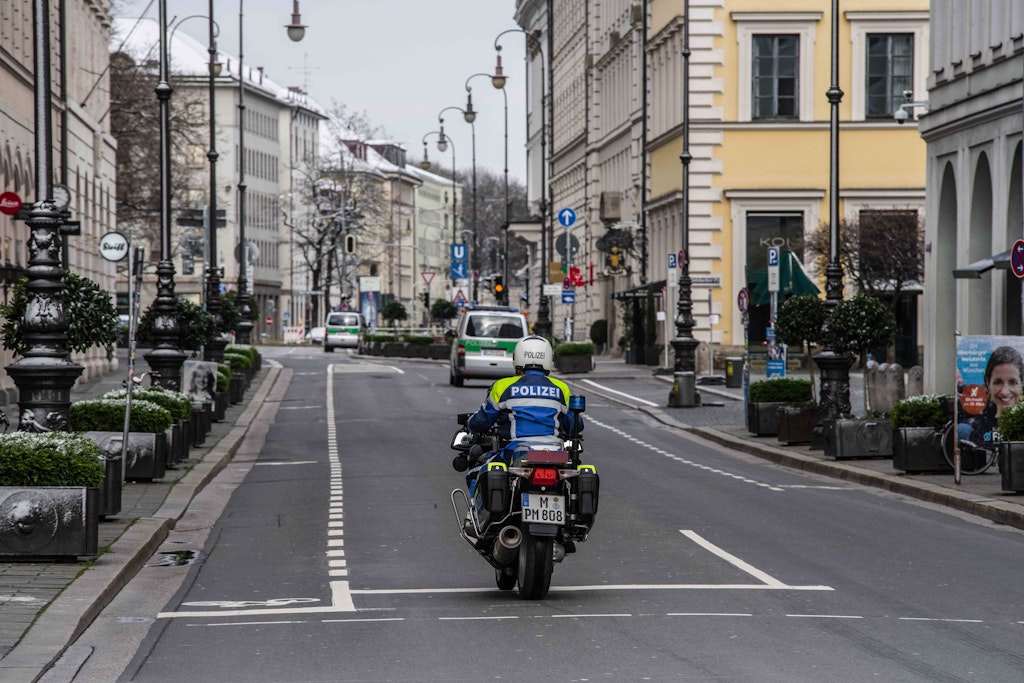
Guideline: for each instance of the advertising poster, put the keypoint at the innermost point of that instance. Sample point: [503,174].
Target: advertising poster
[776,355]
[988,378]
[369,305]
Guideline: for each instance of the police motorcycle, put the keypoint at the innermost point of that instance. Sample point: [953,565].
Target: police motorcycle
[525,517]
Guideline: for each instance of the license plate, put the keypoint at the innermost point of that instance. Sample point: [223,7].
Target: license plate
[538,507]
[492,352]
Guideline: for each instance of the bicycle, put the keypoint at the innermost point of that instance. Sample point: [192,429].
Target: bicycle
[974,459]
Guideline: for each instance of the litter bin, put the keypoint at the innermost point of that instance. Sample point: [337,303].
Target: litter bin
[733,373]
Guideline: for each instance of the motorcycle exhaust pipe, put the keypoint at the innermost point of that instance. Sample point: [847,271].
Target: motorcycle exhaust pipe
[506,548]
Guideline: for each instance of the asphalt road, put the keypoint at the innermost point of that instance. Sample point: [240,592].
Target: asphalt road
[329,552]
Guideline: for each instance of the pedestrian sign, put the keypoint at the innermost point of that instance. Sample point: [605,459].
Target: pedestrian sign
[460,271]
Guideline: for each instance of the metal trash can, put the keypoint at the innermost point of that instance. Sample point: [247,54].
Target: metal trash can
[733,372]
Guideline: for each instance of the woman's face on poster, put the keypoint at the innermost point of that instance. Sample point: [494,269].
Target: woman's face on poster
[1004,385]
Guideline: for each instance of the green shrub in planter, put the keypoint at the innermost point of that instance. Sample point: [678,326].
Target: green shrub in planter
[179,405]
[1011,423]
[237,361]
[376,337]
[251,352]
[574,349]
[49,459]
[223,377]
[599,332]
[781,390]
[418,339]
[859,324]
[918,411]
[108,416]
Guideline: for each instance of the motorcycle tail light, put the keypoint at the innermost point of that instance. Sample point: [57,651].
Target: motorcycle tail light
[544,476]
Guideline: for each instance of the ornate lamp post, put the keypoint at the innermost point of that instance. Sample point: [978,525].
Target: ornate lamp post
[296,31]
[425,165]
[469,116]
[683,392]
[214,350]
[835,368]
[498,80]
[166,357]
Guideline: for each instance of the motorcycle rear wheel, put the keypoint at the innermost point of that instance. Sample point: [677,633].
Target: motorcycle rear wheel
[536,561]
[505,578]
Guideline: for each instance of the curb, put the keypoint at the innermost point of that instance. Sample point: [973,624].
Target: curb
[71,613]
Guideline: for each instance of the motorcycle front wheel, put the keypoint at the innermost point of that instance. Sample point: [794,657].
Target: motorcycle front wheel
[536,561]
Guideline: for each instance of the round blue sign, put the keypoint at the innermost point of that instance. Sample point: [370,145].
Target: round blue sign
[566,217]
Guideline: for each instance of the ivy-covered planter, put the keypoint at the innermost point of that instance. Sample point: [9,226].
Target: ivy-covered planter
[796,423]
[850,438]
[1011,466]
[147,453]
[918,449]
[49,522]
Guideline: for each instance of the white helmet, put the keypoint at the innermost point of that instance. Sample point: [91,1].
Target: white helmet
[533,352]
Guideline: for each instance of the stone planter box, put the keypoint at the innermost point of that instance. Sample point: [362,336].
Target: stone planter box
[1011,466]
[574,364]
[220,406]
[859,439]
[109,501]
[196,426]
[796,424]
[918,449]
[763,418]
[147,453]
[236,389]
[48,521]
[440,351]
[177,450]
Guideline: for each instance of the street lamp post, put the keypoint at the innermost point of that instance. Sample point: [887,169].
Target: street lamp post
[684,392]
[543,324]
[166,357]
[44,374]
[835,368]
[425,165]
[214,350]
[296,31]
[469,116]
[508,205]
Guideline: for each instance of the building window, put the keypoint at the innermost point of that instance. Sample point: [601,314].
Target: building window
[775,77]
[889,71]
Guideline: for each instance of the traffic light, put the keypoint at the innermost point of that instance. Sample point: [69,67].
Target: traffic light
[499,289]
[426,300]
[350,244]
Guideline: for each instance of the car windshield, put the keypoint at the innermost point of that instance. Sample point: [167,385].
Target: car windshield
[495,326]
[343,319]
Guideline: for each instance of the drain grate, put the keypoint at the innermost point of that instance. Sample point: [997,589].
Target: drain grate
[175,558]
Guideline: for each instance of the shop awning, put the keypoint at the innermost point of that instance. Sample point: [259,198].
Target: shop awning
[793,279]
[639,292]
[973,271]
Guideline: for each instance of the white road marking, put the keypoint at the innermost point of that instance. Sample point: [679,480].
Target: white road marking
[349,368]
[732,559]
[250,623]
[680,459]
[950,621]
[278,464]
[621,393]
[585,616]
[476,618]
[824,616]
[708,614]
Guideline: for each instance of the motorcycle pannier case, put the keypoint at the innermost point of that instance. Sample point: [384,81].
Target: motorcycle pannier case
[587,486]
[494,489]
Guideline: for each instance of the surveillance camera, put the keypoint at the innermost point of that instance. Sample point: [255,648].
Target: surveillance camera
[901,115]
[908,95]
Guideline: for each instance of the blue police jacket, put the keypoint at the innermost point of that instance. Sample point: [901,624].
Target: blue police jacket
[530,408]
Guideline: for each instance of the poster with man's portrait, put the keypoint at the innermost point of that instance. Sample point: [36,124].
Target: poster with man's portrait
[989,372]
[199,380]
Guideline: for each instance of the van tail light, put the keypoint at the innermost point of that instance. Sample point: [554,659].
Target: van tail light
[461,350]
[544,476]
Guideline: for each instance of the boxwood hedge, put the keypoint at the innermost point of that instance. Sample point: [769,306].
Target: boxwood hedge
[107,415]
[49,459]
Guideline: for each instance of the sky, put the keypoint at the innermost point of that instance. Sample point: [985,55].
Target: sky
[399,61]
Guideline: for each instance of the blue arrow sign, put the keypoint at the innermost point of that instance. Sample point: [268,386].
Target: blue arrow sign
[460,270]
[566,217]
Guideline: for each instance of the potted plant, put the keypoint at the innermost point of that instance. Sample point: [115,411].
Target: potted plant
[571,357]
[599,335]
[917,423]
[49,495]
[1011,447]
[767,396]
[854,326]
[799,323]
[178,404]
[103,422]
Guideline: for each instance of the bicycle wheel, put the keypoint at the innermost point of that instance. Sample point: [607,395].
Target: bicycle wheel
[973,459]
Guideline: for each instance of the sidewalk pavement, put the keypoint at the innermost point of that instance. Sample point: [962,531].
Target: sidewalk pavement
[44,606]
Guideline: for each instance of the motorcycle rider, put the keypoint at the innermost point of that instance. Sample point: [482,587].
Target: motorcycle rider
[529,408]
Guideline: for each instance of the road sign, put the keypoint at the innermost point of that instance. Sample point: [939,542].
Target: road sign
[681,258]
[286,315]
[428,277]
[743,300]
[552,290]
[672,261]
[1017,258]
[460,252]
[270,321]
[460,270]
[773,269]
[566,217]
[574,245]
[568,296]
[460,299]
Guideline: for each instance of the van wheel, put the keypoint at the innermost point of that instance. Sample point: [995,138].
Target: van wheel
[328,349]
[457,379]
